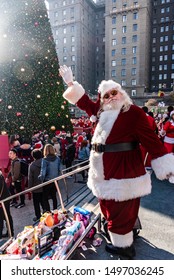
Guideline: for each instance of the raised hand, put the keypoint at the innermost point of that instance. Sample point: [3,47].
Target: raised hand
[66,74]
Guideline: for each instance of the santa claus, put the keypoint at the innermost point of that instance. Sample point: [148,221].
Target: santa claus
[117,176]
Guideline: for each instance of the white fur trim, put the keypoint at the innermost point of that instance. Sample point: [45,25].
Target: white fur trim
[121,241]
[119,189]
[74,93]
[108,85]
[104,126]
[93,118]
[171,113]
[163,166]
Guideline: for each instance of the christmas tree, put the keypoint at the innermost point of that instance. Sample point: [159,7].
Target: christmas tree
[30,86]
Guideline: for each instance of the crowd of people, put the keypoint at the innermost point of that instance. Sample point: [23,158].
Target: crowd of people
[45,158]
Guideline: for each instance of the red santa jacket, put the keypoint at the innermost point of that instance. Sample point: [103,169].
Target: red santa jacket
[169,128]
[121,175]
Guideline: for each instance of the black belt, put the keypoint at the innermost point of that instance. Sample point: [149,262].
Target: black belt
[120,147]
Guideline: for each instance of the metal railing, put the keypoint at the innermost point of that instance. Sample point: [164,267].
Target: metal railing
[76,168]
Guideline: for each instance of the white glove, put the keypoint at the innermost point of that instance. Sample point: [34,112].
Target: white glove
[171,179]
[66,73]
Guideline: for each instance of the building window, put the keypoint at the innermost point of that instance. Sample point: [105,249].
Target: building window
[64,49]
[73,68]
[133,92]
[64,3]
[64,31]
[72,48]
[113,73]
[73,58]
[114,20]
[135,15]
[123,83]
[113,31]
[64,58]
[134,38]
[56,14]
[166,48]
[162,29]
[72,39]
[154,30]
[57,32]
[134,49]
[134,71]
[134,82]
[154,49]
[154,40]
[153,68]
[113,52]
[134,60]
[160,76]
[123,61]
[161,58]
[113,63]
[64,40]
[165,67]
[123,72]
[165,77]
[166,38]
[123,40]
[160,67]
[135,27]
[72,28]
[124,28]
[64,12]
[124,18]
[114,42]
[123,51]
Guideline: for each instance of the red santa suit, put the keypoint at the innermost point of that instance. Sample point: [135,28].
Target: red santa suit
[146,156]
[119,179]
[168,128]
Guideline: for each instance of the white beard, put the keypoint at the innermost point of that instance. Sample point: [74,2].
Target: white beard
[113,105]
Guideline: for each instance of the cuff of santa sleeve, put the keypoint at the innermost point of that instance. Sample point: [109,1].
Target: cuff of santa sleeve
[163,166]
[121,240]
[74,93]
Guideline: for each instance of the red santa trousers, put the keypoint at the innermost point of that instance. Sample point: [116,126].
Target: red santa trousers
[121,217]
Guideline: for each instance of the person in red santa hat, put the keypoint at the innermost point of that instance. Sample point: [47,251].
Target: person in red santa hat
[117,176]
[168,133]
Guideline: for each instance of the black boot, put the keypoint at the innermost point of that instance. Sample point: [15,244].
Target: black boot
[128,252]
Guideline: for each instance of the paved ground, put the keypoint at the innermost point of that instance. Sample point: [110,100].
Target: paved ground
[156,239]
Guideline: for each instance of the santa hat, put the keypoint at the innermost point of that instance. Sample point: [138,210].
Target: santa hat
[105,86]
[38,145]
[171,113]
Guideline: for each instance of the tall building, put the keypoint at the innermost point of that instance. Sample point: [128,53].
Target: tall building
[127,44]
[74,29]
[162,51]
[128,41]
